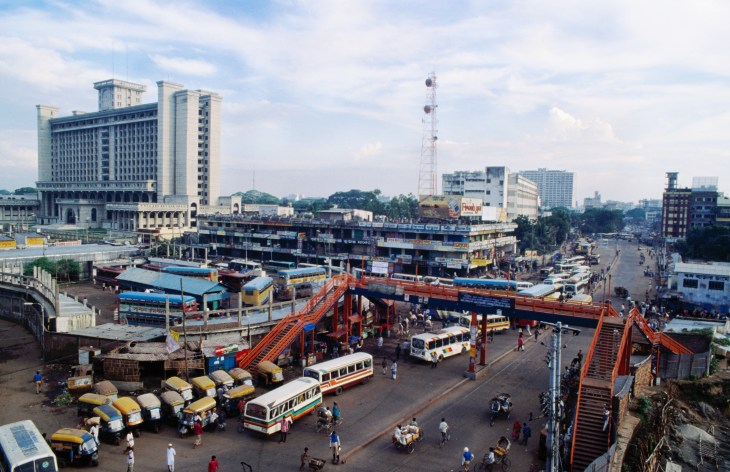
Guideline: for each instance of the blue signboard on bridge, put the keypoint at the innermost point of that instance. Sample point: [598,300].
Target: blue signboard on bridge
[487,304]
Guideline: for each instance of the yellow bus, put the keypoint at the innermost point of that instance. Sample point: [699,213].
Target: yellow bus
[258,291]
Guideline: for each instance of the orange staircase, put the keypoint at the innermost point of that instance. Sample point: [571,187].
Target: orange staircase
[607,358]
[291,326]
[657,338]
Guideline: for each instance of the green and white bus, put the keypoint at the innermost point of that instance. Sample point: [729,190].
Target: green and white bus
[292,401]
[23,449]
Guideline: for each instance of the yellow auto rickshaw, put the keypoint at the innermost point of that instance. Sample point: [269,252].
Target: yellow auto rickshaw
[81,380]
[106,388]
[221,379]
[269,374]
[131,413]
[201,409]
[112,423]
[176,384]
[172,407]
[240,376]
[151,410]
[75,447]
[88,401]
[234,396]
[203,386]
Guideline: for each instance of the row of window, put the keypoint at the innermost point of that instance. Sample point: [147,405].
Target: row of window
[294,402]
[711,285]
[456,339]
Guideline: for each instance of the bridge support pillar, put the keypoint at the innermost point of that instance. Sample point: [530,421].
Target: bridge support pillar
[483,342]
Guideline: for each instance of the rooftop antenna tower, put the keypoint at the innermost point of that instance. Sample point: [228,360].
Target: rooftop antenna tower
[427,173]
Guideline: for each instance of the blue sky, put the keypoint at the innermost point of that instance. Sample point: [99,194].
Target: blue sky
[321,96]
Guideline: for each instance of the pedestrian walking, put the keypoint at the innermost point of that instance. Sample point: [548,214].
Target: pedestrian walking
[434,360]
[304,457]
[394,370]
[606,417]
[537,333]
[130,459]
[397,352]
[336,446]
[94,431]
[528,330]
[520,343]
[385,365]
[284,425]
[38,380]
[466,458]
[526,433]
[380,342]
[580,357]
[213,464]
[130,439]
[198,431]
[170,458]
[516,430]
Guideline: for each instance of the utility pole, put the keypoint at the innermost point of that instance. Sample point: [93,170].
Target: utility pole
[185,335]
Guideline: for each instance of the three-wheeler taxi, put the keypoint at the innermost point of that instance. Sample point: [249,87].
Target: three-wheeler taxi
[106,388]
[203,386]
[151,410]
[75,447]
[221,379]
[112,423]
[269,374]
[240,376]
[202,409]
[88,401]
[233,397]
[172,407]
[176,384]
[131,412]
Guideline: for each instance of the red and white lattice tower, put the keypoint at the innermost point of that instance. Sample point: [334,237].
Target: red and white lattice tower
[427,173]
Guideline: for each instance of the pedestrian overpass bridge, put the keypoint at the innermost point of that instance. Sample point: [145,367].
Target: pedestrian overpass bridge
[607,358]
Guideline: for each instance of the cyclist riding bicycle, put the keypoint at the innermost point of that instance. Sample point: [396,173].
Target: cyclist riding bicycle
[444,430]
[466,459]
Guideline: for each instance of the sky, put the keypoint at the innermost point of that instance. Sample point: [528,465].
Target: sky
[322,96]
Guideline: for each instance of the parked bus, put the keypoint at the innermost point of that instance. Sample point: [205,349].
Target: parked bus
[295,277]
[107,275]
[23,448]
[575,288]
[540,290]
[492,284]
[244,266]
[545,271]
[292,400]
[343,372]
[595,259]
[276,266]
[566,266]
[444,343]
[574,260]
[231,279]
[407,277]
[148,309]
[495,323]
[581,298]
[258,291]
[204,273]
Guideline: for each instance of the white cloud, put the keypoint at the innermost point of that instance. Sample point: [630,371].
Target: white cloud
[562,126]
[368,151]
[183,66]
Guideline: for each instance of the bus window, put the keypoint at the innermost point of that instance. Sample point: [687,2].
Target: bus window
[437,343]
[358,366]
[325,377]
[430,344]
[335,374]
[417,344]
[367,363]
[452,340]
[343,371]
[466,337]
[350,369]
[458,338]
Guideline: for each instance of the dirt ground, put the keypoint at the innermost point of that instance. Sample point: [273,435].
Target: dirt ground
[104,300]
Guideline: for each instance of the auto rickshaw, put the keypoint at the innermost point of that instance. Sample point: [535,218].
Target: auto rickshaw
[112,423]
[221,379]
[151,411]
[88,401]
[81,380]
[131,412]
[232,397]
[240,377]
[106,388]
[202,408]
[176,384]
[172,406]
[203,386]
[269,374]
[75,447]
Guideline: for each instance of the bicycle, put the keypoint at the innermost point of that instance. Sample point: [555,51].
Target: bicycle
[327,426]
[445,436]
[502,460]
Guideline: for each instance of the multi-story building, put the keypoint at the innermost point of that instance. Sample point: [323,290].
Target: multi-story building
[705,285]
[18,212]
[497,188]
[592,202]
[131,166]
[675,209]
[556,187]
[428,249]
[703,204]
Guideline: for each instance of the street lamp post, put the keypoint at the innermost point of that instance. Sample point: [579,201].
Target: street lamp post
[41,324]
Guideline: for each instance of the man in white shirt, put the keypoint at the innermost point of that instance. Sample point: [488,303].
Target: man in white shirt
[170,458]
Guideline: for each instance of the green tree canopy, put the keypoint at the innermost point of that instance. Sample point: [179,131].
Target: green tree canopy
[711,244]
[358,199]
[255,196]
[403,206]
[599,220]
[42,262]
[636,213]
[24,190]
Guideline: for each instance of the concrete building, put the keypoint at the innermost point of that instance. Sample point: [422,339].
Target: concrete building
[593,202]
[131,166]
[557,187]
[705,285]
[497,188]
[18,212]
[675,209]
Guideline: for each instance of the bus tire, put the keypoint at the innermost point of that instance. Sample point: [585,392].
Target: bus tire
[441,357]
[338,391]
[463,349]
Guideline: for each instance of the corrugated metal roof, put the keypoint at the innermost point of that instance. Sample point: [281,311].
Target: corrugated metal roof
[169,282]
[714,268]
[119,332]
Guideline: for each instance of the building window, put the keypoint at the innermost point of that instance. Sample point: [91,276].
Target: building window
[689,283]
[715,285]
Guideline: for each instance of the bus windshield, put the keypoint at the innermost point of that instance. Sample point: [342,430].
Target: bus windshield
[311,373]
[256,411]
[418,343]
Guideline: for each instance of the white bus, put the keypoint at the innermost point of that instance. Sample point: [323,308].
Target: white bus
[495,323]
[408,277]
[444,343]
[575,288]
[430,279]
[292,400]
[343,372]
[23,449]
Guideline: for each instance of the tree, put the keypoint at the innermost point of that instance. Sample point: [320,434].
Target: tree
[358,199]
[68,270]
[711,243]
[257,197]
[636,213]
[403,206]
[42,262]
[599,220]
[24,190]
[4,192]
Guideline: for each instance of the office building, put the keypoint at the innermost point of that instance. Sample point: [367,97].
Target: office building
[556,187]
[704,285]
[497,188]
[593,202]
[675,209]
[131,166]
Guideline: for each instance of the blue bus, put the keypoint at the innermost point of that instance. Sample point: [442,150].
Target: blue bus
[258,291]
[205,273]
[276,266]
[296,277]
[492,284]
[148,309]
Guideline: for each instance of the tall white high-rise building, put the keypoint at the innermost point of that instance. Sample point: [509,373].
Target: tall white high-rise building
[131,166]
[556,187]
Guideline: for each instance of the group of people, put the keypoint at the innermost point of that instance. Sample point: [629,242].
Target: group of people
[523,430]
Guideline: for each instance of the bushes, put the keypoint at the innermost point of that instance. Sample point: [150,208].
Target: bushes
[64,270]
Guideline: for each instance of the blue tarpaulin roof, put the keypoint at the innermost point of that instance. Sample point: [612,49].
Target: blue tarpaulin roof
[170,283]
